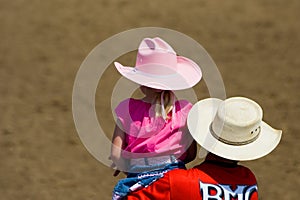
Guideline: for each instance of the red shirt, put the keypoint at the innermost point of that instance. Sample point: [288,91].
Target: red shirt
[206,181]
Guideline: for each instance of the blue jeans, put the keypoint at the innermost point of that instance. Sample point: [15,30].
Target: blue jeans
[136,181]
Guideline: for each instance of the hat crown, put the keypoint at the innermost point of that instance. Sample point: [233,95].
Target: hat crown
[155,56]
[237,121]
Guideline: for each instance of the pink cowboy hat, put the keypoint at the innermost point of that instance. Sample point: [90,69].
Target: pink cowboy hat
[157,66]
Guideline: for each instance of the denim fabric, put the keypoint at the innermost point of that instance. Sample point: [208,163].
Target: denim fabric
[136,181]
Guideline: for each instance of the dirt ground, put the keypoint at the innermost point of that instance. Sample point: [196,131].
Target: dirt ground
[255,45]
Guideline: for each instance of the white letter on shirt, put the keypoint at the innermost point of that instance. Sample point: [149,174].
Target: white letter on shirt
[205,189]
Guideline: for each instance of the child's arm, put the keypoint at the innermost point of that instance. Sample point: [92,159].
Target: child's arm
[118,143]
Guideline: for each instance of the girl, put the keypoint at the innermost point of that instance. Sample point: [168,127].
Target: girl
[151,136]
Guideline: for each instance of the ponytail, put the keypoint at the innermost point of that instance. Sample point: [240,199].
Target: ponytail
[164,103]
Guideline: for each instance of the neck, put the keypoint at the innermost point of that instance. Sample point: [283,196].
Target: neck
[218,159]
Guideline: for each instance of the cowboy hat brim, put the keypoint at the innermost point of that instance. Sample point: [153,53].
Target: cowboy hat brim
[187,75]
[199,120]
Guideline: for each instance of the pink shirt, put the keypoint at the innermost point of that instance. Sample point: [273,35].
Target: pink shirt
[147,135]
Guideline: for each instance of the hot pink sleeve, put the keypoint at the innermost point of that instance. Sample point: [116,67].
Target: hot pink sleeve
[184,106]
[122,113]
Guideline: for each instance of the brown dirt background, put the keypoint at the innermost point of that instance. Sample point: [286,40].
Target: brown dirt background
[254,43]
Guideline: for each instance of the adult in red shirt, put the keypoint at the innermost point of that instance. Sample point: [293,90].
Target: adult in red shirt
[231,131]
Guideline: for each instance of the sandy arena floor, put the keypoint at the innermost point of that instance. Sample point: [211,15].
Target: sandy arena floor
[255,45]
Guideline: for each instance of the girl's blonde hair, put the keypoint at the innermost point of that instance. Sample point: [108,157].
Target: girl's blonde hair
[167,97]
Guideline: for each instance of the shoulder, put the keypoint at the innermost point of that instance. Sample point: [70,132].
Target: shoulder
[159,190]
[247,172]
[183,105]
[221,173]
[129,104]
[128,101]
[185,183]
[179,177]
[171,186]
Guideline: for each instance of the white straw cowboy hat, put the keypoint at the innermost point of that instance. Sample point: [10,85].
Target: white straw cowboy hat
[232,129]
[158,66]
